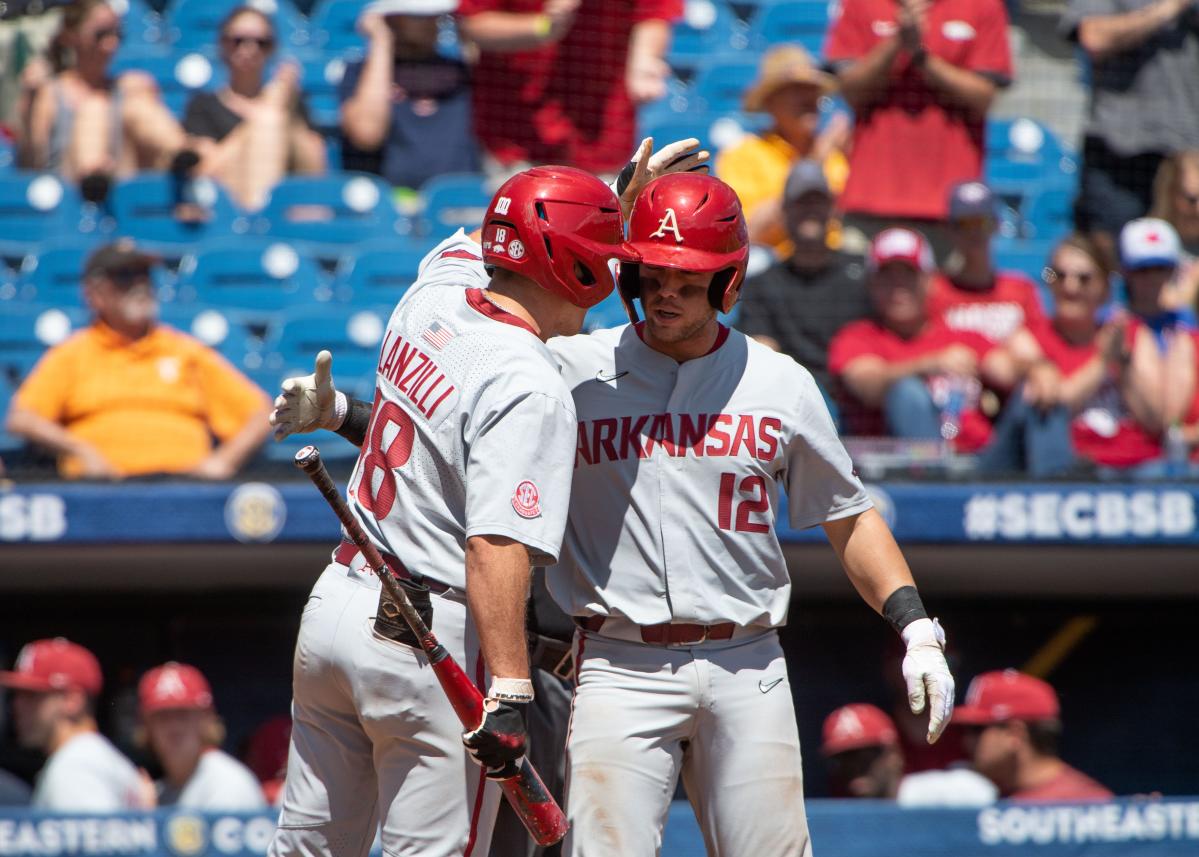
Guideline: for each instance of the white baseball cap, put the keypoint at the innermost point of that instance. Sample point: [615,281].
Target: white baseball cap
[899,244]
[1148,242]
[410,7]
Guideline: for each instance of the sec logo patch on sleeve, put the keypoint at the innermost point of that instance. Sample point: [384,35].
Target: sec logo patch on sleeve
[526,500]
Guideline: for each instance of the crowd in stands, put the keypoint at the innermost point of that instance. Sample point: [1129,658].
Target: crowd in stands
[879,224]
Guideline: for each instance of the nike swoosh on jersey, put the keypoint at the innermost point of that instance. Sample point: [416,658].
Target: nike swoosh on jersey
[600,376]
[766,687]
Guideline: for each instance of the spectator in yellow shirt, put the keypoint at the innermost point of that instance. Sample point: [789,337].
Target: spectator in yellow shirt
[131,397]
[789,87]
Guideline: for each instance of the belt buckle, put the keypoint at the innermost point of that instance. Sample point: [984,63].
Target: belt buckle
[565,667]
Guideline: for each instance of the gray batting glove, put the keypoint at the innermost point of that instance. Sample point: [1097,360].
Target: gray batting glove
[927,674]
[309,402]
[647,165]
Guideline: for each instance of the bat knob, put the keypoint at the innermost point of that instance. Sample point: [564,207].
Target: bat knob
[308,457]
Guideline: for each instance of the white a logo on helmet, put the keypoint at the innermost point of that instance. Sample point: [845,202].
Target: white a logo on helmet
[170,685]
[502,205]
[669,223]
[516,249]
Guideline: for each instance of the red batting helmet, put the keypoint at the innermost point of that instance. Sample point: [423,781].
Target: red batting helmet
[559,227]
[693,222]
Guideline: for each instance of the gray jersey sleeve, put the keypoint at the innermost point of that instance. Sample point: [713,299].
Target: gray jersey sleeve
[820,480]
[519,467]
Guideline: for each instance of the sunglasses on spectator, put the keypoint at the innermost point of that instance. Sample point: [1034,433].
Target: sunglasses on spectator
[1053,275]
[264,43]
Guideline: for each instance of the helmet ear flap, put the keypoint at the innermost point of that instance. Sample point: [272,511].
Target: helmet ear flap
[628,284]
[724,289]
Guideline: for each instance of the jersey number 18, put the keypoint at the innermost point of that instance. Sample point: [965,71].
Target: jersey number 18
[375,457]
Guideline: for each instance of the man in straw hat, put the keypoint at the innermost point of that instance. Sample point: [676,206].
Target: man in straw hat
[789,88]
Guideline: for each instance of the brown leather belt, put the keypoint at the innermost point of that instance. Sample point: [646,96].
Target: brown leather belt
[346,551]
[669,633]
[552,656]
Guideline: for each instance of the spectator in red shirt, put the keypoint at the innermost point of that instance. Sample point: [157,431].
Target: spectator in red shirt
[558,81]
[1013,726]
[911,373]
[969,293]
[920,76]
[1093,390]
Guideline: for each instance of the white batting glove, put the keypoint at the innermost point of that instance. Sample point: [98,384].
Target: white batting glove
[647,165]
[927,674]
[309,402]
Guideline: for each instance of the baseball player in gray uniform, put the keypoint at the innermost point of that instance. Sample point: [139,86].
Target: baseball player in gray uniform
[463,482]
[687,430]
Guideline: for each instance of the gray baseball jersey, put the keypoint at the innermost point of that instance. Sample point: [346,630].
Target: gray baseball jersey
[219,783]
[88,774]
[472,431]
[677,469]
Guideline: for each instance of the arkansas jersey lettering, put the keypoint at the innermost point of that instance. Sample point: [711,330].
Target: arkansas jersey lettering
[996,321]
[701,435]
[413,373]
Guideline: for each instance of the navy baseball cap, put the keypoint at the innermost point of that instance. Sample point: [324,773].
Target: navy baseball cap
[805,177]
[971,199]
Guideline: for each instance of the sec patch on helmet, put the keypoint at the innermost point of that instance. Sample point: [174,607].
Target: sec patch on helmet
[526,500]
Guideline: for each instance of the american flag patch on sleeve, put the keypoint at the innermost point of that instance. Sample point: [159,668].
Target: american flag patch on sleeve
[437,335]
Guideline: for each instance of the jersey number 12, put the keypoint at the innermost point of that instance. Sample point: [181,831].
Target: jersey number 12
[758,502]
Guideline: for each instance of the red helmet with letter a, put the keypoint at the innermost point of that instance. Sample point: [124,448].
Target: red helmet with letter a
[560,227]
[693,222]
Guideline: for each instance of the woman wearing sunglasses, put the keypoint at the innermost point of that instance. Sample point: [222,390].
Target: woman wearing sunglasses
[1097,391]
[253,131]
[79,120]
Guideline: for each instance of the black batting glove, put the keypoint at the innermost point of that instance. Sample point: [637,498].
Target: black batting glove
[498,742]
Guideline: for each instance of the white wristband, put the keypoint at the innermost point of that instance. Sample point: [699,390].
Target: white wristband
[511,689]
[341,407]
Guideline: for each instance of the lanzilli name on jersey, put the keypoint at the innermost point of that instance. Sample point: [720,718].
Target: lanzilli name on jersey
[414,374]
[695,435]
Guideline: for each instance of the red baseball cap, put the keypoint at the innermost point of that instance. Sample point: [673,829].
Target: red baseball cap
[852,727]
[898,244]
[1002,695]
[56,664]
[172,686]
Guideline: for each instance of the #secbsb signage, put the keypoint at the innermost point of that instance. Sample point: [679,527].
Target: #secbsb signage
[262,512]
[1125,828]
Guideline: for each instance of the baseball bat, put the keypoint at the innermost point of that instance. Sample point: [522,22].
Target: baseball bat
[531,800]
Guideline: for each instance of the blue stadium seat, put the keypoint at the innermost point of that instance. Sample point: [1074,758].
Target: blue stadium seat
[144,207]
[195,24]
[179,74]
[455,200]
[52,272]
[1028,256]
[140,23]
[334,25]
[340,208]
[8,155]
[352,334]
[708,27]
[26,331]
[320,80]
[805,22]
[1048,212]
[35,207]
[379,273]
[242,344]
[1023,150]
[250,279]
[719,85]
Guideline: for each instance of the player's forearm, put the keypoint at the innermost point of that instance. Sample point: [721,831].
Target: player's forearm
[505,31]
[871,558]
[497,590]
[366,117]
[43,432]
[864,80]
[1104,35]
[965,88]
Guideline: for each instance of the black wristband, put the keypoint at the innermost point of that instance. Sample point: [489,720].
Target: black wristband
[903,607]
[626,176]
[358,419]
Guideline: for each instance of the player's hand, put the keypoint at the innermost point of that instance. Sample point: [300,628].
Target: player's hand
[498,742]
[927,675]
[647,165]
[307,402]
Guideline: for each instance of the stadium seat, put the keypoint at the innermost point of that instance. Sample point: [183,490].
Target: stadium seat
[334,25]
[195,24]
[141,25]
[52,273]
[339,208]
[179,74]
[8,155]
[35,207]
[454,200]
[379,273]
[320,80]
[352,334]
[1028,256]
[239,341]
[249,279]
[144,207]
[26,331]
[1048,212]
[1023,150]
[708,27]
[805,22]
[719,85]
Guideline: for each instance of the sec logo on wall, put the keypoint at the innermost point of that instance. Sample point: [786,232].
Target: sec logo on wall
[255,512]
